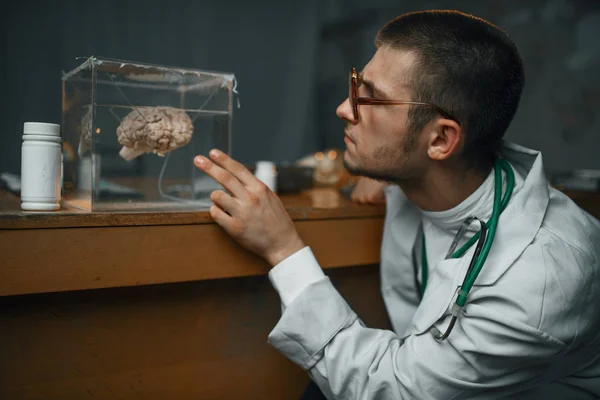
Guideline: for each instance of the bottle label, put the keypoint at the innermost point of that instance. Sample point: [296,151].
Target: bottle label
[40,172]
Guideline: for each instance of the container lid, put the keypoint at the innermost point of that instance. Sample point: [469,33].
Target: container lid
[41,128]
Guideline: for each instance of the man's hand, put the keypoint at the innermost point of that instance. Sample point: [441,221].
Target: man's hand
[369,191]
[251,213]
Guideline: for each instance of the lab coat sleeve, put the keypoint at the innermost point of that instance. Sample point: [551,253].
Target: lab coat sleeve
[483,357]
[291,276]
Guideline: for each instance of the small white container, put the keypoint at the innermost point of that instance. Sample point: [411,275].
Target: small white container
[267,173]
[41,167]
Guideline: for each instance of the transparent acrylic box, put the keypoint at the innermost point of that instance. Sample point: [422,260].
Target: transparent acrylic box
[131,131]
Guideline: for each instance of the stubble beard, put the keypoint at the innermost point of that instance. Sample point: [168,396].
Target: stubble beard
[397,163]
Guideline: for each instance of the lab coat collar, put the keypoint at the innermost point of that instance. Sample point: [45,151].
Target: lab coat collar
[521,220]
[517,227]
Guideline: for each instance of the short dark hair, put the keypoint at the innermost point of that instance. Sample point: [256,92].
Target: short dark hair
[465,65]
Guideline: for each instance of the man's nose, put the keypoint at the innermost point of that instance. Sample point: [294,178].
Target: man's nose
[344,111]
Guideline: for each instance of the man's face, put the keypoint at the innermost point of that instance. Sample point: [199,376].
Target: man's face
[380,145]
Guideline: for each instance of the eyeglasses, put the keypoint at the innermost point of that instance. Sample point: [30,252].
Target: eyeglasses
[355,99]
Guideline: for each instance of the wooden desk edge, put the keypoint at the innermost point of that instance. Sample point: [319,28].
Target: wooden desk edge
[65,259]
[302,207]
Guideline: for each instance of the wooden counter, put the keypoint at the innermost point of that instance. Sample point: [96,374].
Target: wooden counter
[73,250]
[200,334]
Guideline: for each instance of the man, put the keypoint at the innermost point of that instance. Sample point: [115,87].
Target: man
[526,322]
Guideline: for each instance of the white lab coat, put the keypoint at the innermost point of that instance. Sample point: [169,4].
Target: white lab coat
[530,329]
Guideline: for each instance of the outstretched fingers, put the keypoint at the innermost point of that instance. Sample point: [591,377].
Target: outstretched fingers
[235,168]
[224,177]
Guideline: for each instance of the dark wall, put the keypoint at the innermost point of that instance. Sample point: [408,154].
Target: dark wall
[291,60]
[270,45]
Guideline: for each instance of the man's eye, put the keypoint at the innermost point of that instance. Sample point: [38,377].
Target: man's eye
[365,90]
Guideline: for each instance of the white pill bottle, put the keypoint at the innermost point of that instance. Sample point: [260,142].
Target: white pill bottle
[266,171]
[41,167]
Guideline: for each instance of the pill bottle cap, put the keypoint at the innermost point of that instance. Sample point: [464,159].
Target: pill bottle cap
[41,128]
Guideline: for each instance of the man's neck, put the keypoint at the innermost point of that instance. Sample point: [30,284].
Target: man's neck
[443,188]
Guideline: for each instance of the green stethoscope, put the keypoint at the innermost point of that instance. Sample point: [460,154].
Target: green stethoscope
[484,238]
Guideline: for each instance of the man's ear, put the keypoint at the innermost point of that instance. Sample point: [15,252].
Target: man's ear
[445,139]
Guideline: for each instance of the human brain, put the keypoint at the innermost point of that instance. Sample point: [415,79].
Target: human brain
[153,129]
